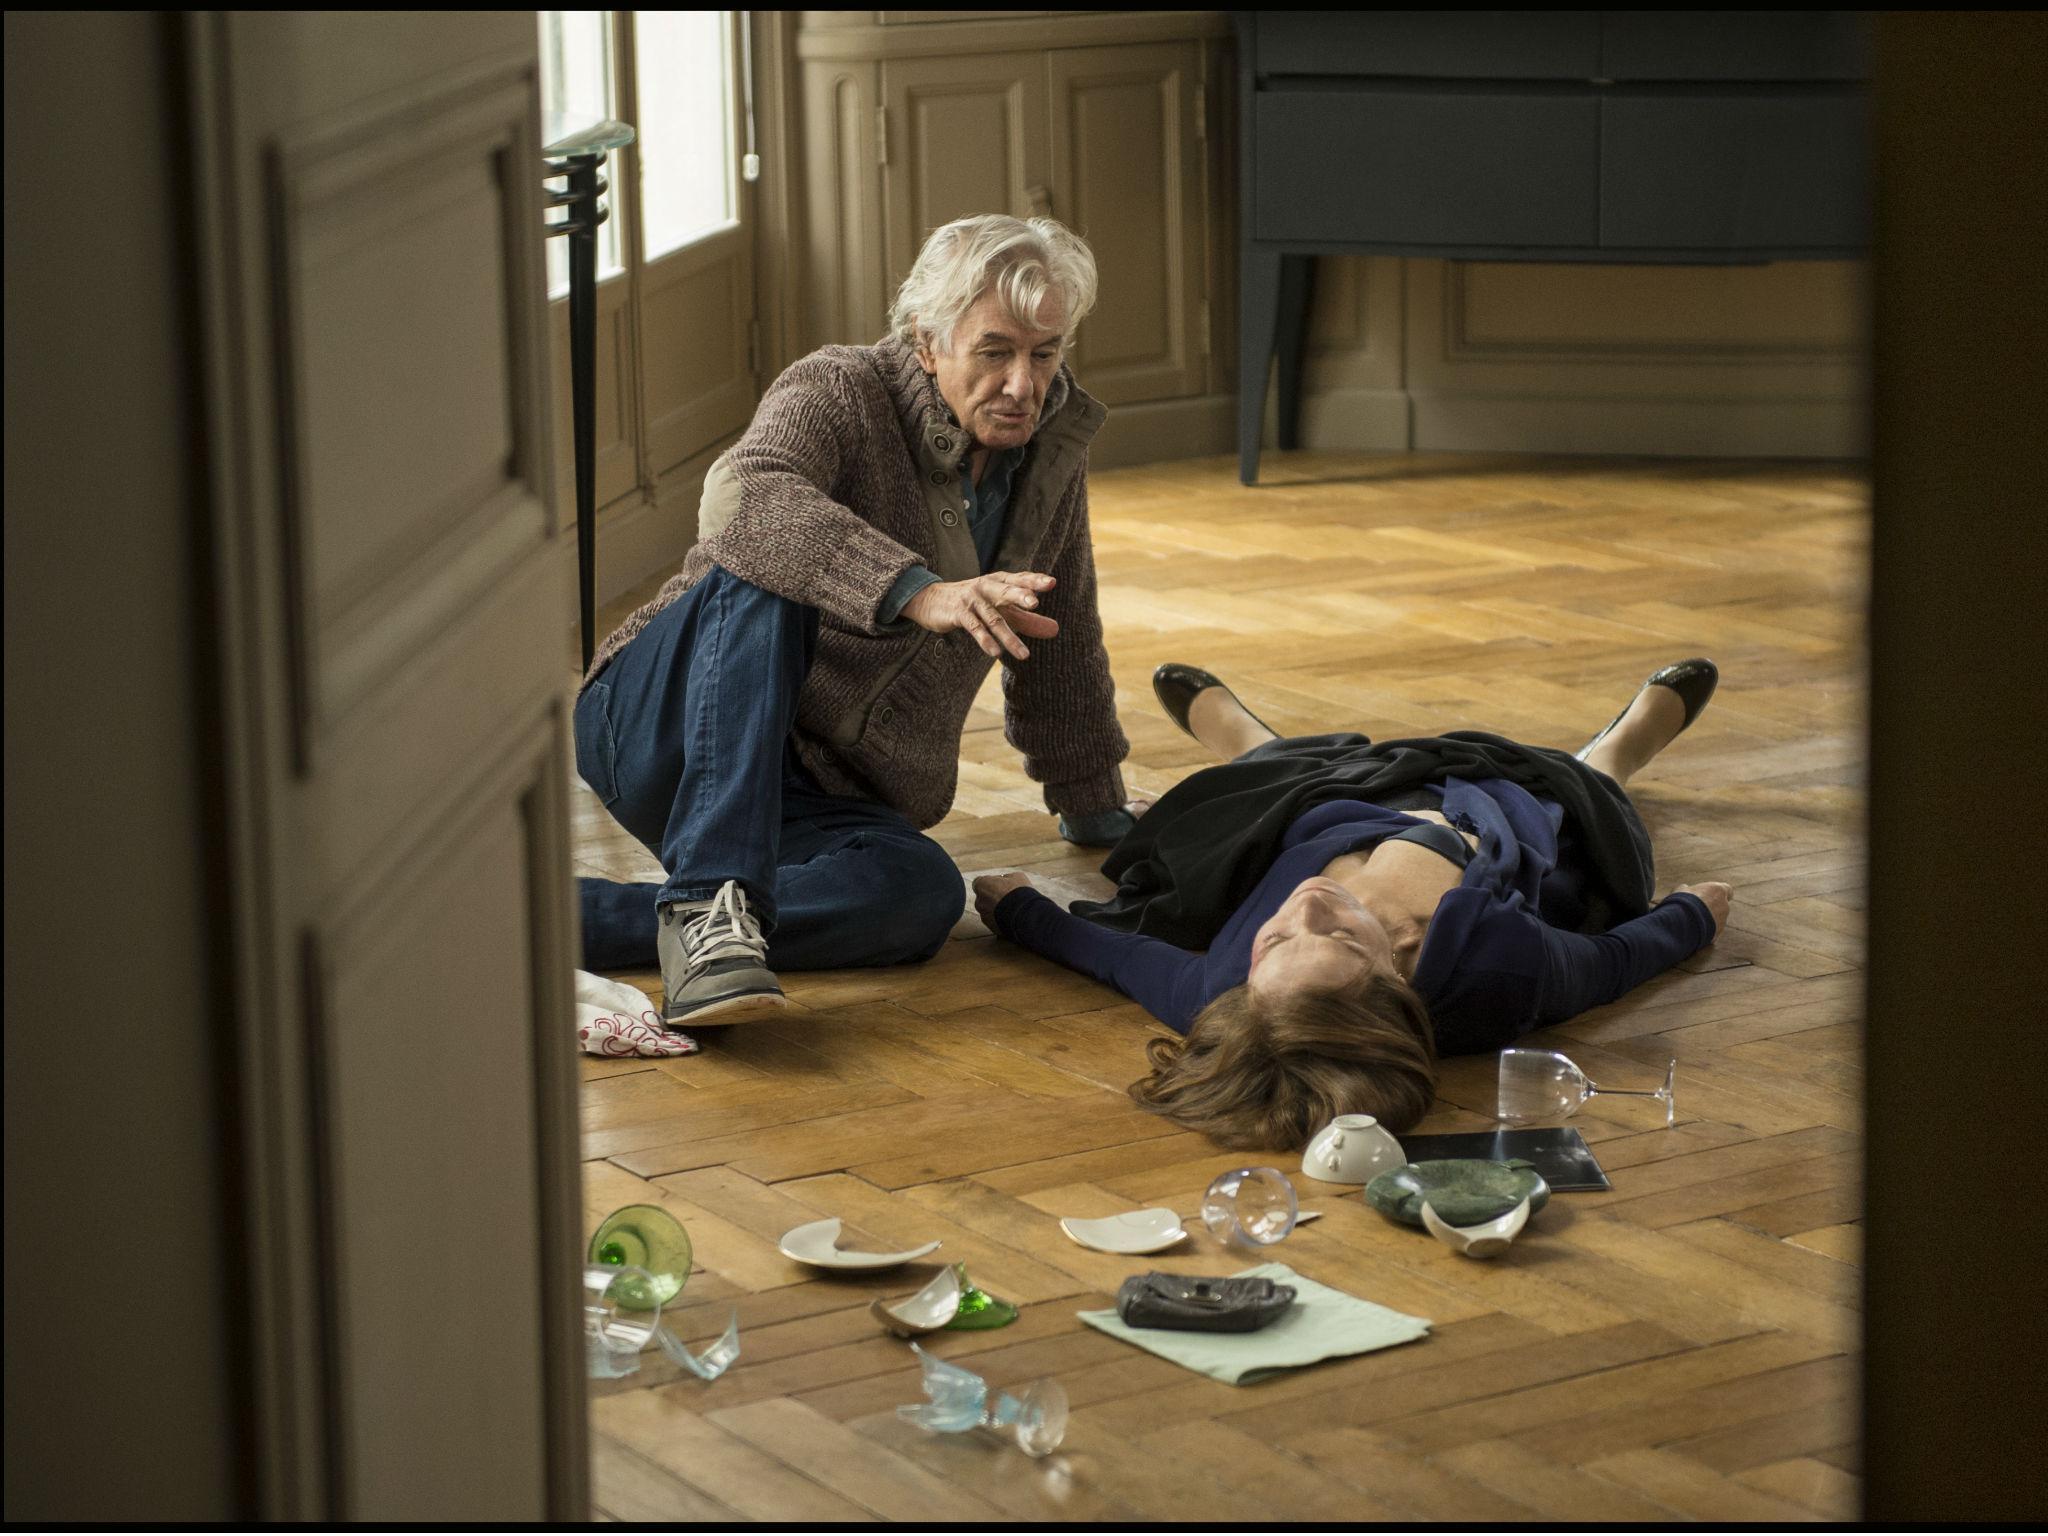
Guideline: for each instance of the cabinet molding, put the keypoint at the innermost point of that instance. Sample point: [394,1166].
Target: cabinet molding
[399,508]
[1008,34]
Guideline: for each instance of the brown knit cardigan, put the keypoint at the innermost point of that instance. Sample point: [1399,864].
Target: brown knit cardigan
[847,477]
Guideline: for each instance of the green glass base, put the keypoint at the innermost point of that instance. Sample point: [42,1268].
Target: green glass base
[978,1309]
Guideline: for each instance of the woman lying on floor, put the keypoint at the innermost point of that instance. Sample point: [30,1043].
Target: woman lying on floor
[1365,907]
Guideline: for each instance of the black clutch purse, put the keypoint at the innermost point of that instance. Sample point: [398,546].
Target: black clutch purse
[1241,1305]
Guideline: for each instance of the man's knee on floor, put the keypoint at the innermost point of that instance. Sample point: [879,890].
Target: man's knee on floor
[924,895]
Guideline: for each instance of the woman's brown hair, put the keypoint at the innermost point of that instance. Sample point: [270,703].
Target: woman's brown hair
[1270,1074]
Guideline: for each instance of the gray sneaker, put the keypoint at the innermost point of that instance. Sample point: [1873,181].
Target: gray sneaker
[713,960]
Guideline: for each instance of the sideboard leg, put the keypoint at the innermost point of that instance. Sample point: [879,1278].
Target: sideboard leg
[1297,290]
[1258,315]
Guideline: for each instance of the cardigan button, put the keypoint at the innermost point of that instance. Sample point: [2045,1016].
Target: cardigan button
[949,518]
[939,477]
[943,443]
[884,715]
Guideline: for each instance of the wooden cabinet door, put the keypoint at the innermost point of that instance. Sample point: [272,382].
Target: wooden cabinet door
[1127,175]
[395,580]
[961,135]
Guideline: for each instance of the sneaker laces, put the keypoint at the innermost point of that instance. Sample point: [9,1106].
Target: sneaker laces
[725,930]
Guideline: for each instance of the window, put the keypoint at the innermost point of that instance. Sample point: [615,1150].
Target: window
[685,130]
[676,342]
[576,81]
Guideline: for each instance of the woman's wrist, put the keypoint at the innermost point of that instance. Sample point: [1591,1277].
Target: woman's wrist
[1015,901]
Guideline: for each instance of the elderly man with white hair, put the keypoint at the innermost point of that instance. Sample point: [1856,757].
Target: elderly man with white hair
[783,720]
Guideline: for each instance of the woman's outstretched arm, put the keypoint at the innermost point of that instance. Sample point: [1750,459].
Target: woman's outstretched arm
[1164,980]
[1584,971]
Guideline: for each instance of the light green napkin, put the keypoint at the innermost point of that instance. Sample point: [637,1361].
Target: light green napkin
[1322,1324]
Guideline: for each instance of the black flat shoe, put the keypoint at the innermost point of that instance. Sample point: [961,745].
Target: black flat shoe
[1176,686]
[1693,681]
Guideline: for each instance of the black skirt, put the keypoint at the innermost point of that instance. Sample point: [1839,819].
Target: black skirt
[1198,853]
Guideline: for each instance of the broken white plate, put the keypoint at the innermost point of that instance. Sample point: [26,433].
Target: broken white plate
[1487,1240]
[1146,1231]
[816,1242]
[926,1312]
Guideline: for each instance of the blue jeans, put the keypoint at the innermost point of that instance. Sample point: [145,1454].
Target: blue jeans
[685,737]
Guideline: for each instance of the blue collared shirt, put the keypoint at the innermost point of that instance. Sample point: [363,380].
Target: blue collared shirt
[986,505]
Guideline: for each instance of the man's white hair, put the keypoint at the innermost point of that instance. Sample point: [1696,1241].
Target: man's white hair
[1021,260]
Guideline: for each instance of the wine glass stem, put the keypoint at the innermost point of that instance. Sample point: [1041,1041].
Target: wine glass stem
[1627,1093]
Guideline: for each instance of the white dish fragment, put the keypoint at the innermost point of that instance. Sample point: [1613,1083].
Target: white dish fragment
[1146,1231]
[817,1242]
[926,1312]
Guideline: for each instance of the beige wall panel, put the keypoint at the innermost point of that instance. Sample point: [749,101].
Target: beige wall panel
[1127,177]
[1715,361]
[1585,358]
[1803,311]
[842,297]
[1352,391]
[1219,195]
[425,1000]
[1155,431]
[967,136]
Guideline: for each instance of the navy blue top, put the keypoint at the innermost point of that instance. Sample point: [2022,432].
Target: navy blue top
[1490,969]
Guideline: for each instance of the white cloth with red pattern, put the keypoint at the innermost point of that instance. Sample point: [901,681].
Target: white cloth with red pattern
[615,1019]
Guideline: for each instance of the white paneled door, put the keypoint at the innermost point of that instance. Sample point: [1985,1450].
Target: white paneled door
[396,605]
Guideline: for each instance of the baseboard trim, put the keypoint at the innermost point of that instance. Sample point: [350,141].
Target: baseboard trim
[1352,421]
[1834,427]
[1157,431]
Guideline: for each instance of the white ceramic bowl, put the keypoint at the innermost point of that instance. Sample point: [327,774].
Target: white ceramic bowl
[1351,1149]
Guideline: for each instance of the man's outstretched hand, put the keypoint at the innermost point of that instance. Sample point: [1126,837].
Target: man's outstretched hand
[996,609]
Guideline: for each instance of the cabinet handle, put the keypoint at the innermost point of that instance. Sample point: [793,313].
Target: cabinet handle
[1040,199]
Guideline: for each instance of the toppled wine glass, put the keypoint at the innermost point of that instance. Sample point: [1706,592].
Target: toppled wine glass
[649,1240]
[618,1322]
[1547,1085]
[959,1400]
[1251,1205]
[615,1327]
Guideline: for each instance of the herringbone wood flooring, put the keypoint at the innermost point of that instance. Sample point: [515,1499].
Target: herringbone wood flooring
[1682,1347]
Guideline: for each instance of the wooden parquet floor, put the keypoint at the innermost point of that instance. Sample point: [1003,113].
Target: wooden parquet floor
[1681,1347]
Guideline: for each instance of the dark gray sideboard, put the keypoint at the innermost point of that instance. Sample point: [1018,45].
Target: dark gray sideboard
[1638,136]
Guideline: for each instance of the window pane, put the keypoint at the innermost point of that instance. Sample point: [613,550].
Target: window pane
[685,130]
[576,79]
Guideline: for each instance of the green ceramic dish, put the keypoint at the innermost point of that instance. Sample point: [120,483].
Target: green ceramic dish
[1464,1191]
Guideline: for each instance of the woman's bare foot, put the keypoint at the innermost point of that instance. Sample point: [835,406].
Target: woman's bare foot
[1223,725]
[1649,725]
